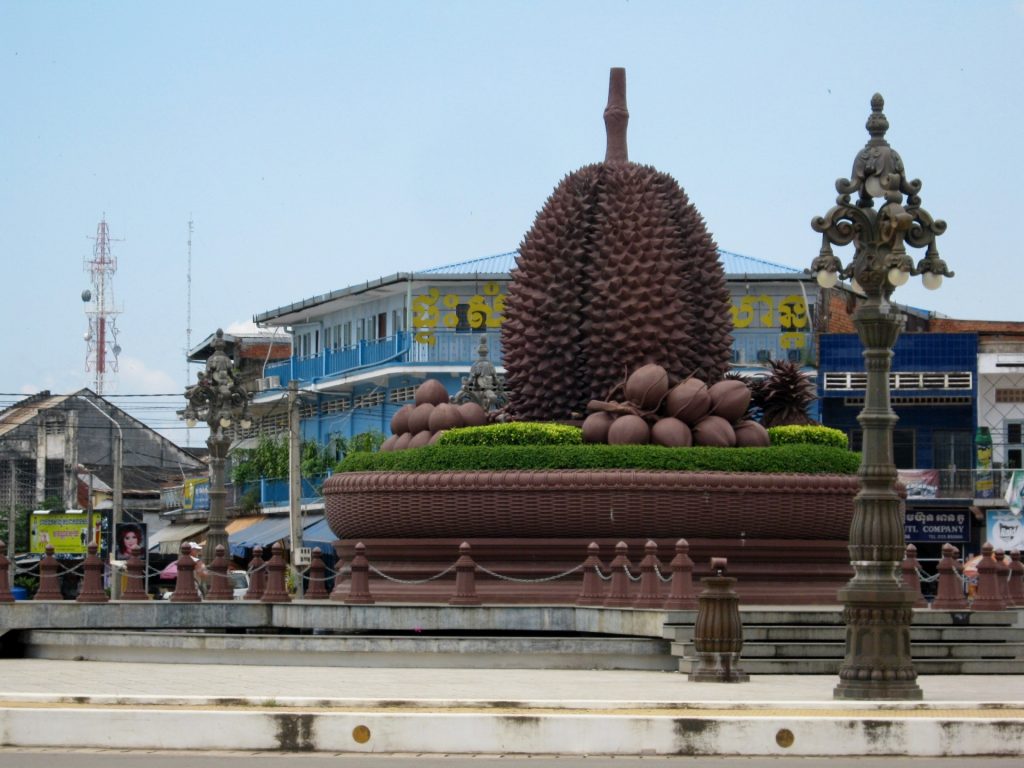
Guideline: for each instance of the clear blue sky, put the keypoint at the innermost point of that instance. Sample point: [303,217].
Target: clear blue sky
[317,144]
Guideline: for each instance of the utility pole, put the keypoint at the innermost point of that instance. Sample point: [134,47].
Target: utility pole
[294,479]
[11,520]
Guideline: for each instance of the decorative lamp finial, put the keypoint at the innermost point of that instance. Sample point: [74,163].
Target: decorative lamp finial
[877,123]
[616,117]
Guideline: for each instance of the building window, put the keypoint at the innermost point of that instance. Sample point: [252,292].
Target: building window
[952,449]
[1010,395]
[462,318]
[903,453]
[1015,445]
[347,337]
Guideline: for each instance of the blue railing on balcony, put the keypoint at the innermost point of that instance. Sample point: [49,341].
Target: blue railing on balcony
[446,348]
[274,493]
[453,348]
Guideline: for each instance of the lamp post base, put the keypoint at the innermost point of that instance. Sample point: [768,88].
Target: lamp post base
[878,664]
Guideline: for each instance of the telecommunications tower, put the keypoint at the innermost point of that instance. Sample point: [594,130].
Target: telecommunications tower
[101,344]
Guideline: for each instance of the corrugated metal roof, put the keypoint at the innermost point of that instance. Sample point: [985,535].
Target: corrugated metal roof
[733,263]
[738,264]
[498,264]
[22,413]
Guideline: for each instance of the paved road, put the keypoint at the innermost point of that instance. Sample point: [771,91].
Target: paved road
[44,758]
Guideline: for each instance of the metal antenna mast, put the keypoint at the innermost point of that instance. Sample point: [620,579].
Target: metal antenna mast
[188,307]
[101,344]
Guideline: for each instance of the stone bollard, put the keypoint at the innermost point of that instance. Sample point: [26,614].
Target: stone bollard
[135,577]
[6,596]
[1003,577]
[465,578]
[49,583]
[359,584]
[592,591]
[317,589]
[987,597]
[681,594]
[220,583]
[618,593]
[718,633]
[1016,579]
[92,582]
[911,578]
[276,591]
[185,584]
[950,594]
[257,576]
[650,581]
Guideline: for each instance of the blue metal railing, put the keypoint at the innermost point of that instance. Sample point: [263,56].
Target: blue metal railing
[445,348]
[452,348]
[274,493]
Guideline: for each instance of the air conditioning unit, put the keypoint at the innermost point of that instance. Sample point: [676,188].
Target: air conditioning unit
[270,382]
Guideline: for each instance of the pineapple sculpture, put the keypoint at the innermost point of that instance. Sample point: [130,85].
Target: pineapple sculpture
[618,271]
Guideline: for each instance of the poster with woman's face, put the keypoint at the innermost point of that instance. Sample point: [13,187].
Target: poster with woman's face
[127,537]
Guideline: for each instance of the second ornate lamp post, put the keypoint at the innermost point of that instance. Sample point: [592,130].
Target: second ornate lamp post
[219,399]
[878,610]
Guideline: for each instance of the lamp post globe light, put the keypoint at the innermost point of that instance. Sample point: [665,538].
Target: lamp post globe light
[877,609]
[219,399]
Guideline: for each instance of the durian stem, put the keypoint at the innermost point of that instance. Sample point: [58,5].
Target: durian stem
[616,117]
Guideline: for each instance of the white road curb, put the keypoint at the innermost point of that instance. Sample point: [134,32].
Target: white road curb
[469,733]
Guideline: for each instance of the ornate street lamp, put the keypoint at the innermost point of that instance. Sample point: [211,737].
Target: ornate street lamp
[877,608]
[219,399]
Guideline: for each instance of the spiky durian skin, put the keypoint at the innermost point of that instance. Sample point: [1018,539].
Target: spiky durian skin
[617,271]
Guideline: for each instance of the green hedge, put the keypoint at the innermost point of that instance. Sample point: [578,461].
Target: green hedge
[514,433]
[810,435]
[798,458]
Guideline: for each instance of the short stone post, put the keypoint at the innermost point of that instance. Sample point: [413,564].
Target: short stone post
[220,583]
[185,584]
[718,633]
[1003,577]
[359,584]
[257,576]
[465,578]
[681,594]
[987,596]
[6,596]
[1016,579]
[49,583]
[950,594]
[135,577]
[92,582]
[276,591]
[317,589]
[592,591]
[618,593]
[911,578]
[650,581]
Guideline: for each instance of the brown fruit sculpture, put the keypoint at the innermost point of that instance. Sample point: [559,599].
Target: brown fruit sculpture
[617,271]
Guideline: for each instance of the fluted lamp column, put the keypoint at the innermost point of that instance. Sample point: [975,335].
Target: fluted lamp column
[877,609]
[219,399]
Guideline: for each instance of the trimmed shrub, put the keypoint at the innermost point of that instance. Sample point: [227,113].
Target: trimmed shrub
[797,458]
[810,435]
[513,433]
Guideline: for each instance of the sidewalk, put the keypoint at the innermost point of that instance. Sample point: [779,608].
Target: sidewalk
[346,709]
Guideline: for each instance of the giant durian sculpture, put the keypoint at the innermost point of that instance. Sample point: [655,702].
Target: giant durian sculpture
[617,271]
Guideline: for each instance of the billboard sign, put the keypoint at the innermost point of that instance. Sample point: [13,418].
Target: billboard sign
[937,525]
[68,532]
[1004,530]
[196,494]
